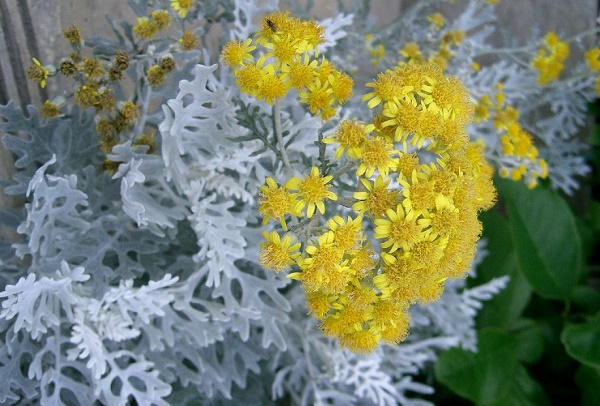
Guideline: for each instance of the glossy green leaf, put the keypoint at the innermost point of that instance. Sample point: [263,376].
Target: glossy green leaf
[582,341]
[546,239]
[504,309]
[482,377]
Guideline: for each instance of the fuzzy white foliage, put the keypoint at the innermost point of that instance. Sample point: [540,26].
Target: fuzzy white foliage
[34,303]
[334,30]
[52,197]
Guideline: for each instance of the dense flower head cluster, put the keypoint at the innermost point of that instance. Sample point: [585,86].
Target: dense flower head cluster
[549,60]
[287,58]
[519,157]
[420,184]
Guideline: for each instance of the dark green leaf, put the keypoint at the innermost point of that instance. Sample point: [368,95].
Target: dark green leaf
[587,297]
[506,307]
[531,341]
[492,376]
[588,379]
[482,377]
[582,341]
[548,246]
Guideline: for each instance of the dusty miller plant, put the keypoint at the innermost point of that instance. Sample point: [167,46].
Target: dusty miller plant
[143,284]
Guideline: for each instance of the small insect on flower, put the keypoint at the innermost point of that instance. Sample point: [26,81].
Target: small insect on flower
[271,25]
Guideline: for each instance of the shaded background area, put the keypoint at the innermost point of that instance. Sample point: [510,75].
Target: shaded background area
[33,28]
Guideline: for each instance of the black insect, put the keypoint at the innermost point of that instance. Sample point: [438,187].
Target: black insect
[272,25]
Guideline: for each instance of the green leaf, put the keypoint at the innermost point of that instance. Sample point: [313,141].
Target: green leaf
[530,337]
[504,309]
[587,297]
[493,375]
[588,379]
[548,246]
[582,341]
[482,377]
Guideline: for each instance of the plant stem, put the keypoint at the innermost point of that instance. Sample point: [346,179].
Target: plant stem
[279,136]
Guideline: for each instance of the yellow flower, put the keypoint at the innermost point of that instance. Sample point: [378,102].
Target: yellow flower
[411,51]
[49,109]
[318,98]
[592,58]
[161,19]
[237,53]
[377,198]
[38,73]
[348,235]
[444,220]
[377,153]
[182,6]
[549,60]
[418,194]
[341,86]
[188,41]
[324,268]
[283,47]
[437,20]
[400,230]
[386,87]
[300,72]
[275,202]
[278,254]
[249,78]
[145,28]
[313,190]
[351,135]
[271,86]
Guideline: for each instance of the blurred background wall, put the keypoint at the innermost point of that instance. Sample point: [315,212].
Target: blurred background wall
[33,28]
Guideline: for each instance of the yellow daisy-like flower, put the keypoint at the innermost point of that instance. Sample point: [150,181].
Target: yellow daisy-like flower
[38,73]
[275,202]
[348,235]
[386,87]
[376,199]
[276,253]
[341,86]
[237,53]
[400,230]
[351,135]
[444,220]
[249,78]
[318,97]
[271,87]
[313,190]
[324,268]
[418,194]
[377,153]
[182,6]
[300,72]
[145,28]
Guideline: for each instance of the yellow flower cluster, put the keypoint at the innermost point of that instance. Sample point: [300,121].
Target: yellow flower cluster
[447,44]
[420,186]
[515,141]
[377,52]
[549,60]
[147,27]
[289,61]
[592,58]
